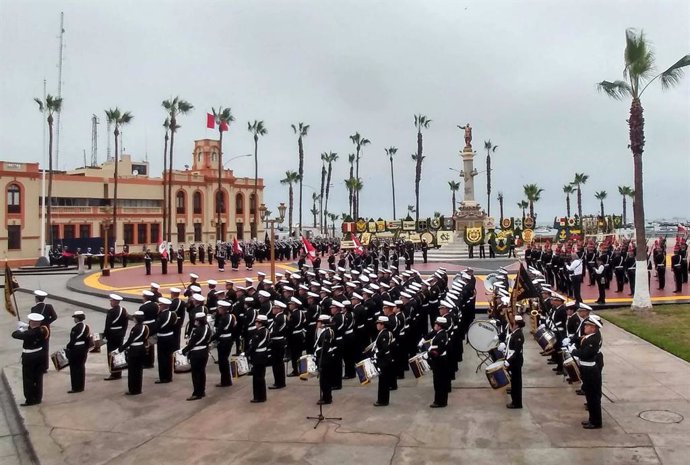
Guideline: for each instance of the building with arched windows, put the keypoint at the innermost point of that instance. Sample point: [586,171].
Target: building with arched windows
[82,203]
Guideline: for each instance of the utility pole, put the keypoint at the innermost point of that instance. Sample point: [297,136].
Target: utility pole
[60,60]
[94,140]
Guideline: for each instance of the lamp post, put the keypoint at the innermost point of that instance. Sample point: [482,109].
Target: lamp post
[107,211]
[272,222]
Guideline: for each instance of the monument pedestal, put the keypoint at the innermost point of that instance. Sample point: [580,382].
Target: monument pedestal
[470,213]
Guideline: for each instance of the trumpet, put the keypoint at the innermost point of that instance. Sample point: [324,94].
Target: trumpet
[534,320]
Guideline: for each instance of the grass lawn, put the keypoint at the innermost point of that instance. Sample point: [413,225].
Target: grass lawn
[666,326]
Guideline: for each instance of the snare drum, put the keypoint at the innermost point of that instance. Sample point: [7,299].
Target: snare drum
[59,359]
[497,375]
[572,370]
[118,361]
[419,365]
[307,367]
[97,340]
[239,366]
[366,371]
[181,363]
[496,355]
[545,338]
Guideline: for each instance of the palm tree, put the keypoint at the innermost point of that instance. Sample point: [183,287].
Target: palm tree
[117,119]
[411,209]
[257,128]
[314,211]
[51,105]
[390,152]
[454,187]
[359,142]
[533,193]
[174,107]
[323,187]
[600,196]
[489,149]
[350,183]
[332,217]
[301,130]
[351,195]
[500,204]
[639,66]
[166,125]
[291,177]
[223,118]
[625,191]
[329,158]
[567,190]
[420,122]
[356,188]
[523,204]
[580,179]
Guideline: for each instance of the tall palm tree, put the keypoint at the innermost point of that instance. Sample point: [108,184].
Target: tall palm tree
[257,128]
[489,149]
[500,204]
[360,142]
[533,193]
[567,190]
[350,193]
[314,211]
[357,185]
[523,204]
[638,75]
[580,179]
[323,187]
[390,152]
[117,119]
[166,125]
[223,118]
[420,122]
[51,105]
[600,196]
[625,191]
[174,107]
[332,217]
[291,177]
[454,187]
[301,130]
[410,210]
[329,158]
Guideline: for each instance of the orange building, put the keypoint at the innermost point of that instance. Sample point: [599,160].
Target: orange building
[83,198]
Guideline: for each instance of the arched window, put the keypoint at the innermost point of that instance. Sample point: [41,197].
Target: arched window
[180,202]
[214,157]
[239,204]
[220,202]
[14,200]
[252,205]
[198,157]
[196,203]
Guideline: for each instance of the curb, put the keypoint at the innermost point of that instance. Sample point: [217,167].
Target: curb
[68,300]
[20,419]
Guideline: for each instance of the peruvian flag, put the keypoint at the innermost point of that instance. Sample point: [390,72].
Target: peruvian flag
[359,250]
[309,248]
[211,123]
[236,246]
[163,249]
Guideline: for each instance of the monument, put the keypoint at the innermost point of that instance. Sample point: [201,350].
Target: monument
[470,213]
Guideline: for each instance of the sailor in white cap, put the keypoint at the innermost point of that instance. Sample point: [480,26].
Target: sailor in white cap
[559,319]
[591,365]
[197,307]
[49,316]
[257,353]
[77,350]
[212,296]
[325,358]
[226,326]
[514,360]
[33,336]
[438,359]
[297,326]
[179,309]
[166,322]
[194,278]
[384,361]
[116,322]
[279,332]
[197,351]
[136,353]
[150,309]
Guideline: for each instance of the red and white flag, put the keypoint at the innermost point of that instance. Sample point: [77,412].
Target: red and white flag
[211,123]
[309,249]
[359,250]
[163,249]
[236,246]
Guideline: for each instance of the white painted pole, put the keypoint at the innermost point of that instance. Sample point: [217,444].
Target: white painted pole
[43,183]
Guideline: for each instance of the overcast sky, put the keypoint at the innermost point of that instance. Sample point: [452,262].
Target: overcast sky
[523,73]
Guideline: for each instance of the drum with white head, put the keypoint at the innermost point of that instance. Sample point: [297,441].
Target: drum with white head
[483,335]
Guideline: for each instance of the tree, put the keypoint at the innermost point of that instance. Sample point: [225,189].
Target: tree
[625,191]
[567,190]
[291,177]
[454,187]
[420,122]
[580,179]
[117,119]
[51,105]
[600,196]
[332,217]
[329,158]
[166,125]
[223,118]
[500,204]
[321,196]
[360,142]
[489,149]
[533,193]
[174,107]
[350,193]
[301,130]
[523,204]
[390,152]
[314,211]
[257,128]
[410,210]
[353,185]
[638,75]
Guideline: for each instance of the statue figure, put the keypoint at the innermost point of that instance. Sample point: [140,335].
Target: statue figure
[468,134]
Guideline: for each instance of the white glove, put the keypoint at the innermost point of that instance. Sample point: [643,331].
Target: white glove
[242,354]
[115,352]
[571,347]
[21,326]
[566,342]
[425,355]
[506,364]
[502,347]
[421,343]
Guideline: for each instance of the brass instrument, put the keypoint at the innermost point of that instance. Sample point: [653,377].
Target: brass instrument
[534,320]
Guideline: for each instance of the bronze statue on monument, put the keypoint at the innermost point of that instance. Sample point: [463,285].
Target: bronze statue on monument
[468,134]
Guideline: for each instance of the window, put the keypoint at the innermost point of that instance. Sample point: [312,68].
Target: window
[239,204]
[55,232]
[129,233]
[179,202]
[155,232]
[214,157]
[251,204]
[180,232]
[68,231]
[220,202]
[197,232]
[198,157]
[14,204]
[196,203]
[240,231]
[84,230]
[14,237]
[141,233]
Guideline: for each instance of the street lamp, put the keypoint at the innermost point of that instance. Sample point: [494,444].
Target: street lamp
[235,158]
[264,217]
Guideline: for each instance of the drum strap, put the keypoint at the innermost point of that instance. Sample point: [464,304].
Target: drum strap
[83,329]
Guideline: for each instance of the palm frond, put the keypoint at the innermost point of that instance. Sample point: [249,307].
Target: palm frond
[639,58]
[40,104]
[672,75]
[615,89]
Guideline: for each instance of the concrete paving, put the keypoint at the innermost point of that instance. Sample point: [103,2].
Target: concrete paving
[103,426]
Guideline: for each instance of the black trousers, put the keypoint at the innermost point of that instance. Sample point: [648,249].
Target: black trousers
[77,367]
[147,264]
[591,384]
[441,381]
[602,290]
[166,347]
[164,266]
[661,274]
[620,280]
[515,371]
[337,371]
[224,348]
[135,369]
[386,378]
[577,284]
[150,354]
[32,376]
[278,365]
[179,266]
[631,280]
[198,360]
[259,381]
[350,355]
[296,344]
[310,338]
[46,353]
[221,263]
[678,279]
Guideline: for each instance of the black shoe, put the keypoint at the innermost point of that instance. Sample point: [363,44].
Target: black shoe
[72,391]
[147,367]
[512,406]
[583,423]
[28,404]
[336,388]
[112,378]
[273,386]
[379,404]
[551,362]
[292,375]
[256,401]
[324,402]
[591,426]
[194,398]
[435,405]
[132,393]
[160,381]
[580,392]
[348,377]
[223,385]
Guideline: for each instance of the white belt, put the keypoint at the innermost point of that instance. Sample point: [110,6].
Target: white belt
[31,351]
[360,326]
[278,338]
[137,344]
[224,336]
[198,348]
[262,349]
[297,331]
[251,327]
[116,327]
[165,334]
[80,343]
[148,322]
[349,331]
[338,338]
[587,364]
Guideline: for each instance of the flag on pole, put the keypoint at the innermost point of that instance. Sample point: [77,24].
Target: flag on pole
[524,288]
[10,285]
[210,121]
[163,249]
[309,249]
[236,246]
[359,250]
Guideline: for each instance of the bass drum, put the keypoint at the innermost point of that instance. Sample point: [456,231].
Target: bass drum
[428,237]
[483,335]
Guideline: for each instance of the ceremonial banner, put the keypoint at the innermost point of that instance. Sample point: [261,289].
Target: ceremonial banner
[10,285]
[435,223]
[366,238]
[428,237]
[517,222]
[380,226]
[361,225]
[500,242]
[421,225]
[444,237]
[408,225]
[528,222]
[528,235]
[347,245]
[415,238]
[507,223]
[371,226]
[473,236]
[523,288]
[348,227]
[394,224]
[308,248]
[359,250]
[448,224]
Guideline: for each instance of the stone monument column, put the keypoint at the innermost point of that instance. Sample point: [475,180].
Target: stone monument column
[469,174]
[470,213]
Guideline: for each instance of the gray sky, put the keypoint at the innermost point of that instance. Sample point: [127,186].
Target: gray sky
[523,73]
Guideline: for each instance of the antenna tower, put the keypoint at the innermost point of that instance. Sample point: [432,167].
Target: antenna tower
[60,60]
[94,140]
